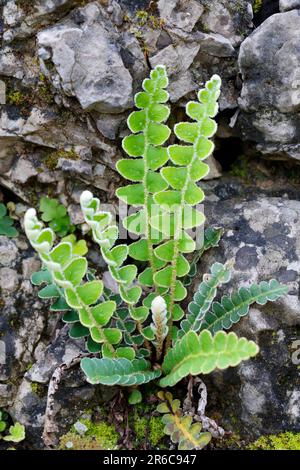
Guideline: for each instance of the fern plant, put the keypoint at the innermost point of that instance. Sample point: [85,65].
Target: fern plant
[144,334]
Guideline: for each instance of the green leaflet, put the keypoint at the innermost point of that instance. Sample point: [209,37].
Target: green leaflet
[203,298]
[180,427]
[135,397]
[201,354]
[16,433]
[233,307]
[67,272]
[105,235]
[118,371]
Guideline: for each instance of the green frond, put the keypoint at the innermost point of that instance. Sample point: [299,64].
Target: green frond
[233,307]
[118,371]
[67,271]
[203,298]
[201,354]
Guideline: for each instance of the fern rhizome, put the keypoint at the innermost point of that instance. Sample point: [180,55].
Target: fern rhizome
[144,334]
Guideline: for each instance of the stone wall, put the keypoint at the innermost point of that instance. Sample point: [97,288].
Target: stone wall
[68,73]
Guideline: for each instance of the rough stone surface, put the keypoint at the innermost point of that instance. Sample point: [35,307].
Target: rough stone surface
[68,73]
[286,5]
[269,62]
[32,345]
[262,235]
[85,54]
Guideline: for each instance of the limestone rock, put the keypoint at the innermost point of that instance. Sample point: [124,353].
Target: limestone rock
[182,14]
[229,18]
[270,96]
[262,234]
[88,64]
[286,5]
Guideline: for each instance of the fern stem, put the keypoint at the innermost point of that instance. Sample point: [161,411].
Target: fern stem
[147,200]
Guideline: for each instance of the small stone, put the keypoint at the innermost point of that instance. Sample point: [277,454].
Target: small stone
[8,280]
[23,170]
[182,14]
[81,428]
[75,214]
[30,266]
[88,62]
[108,124]
[75,166]
[286,5]
[215,169]
[8,252]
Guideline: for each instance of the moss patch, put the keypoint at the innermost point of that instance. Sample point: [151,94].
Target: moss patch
[39,389]
[104,433]
[98,436]
[51,160]
[257,6]
[72,441]
[283,441]
[147,430]
[156,430]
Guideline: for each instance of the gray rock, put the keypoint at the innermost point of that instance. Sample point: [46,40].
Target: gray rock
[23,170]
[183,14]
[286,5]
[8,252]
[270,96]
[263,236]
[10,64]
[215,170]
[9,280]
[229,18]
[74,166]
[87,60]
[23,19]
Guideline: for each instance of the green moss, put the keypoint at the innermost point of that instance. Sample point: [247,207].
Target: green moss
[283,441]
[257,6]
[15,97]
[105,434]
[39,389]
[156,430]
[51,160]
[44,91]
[146,430]
[140,427]
[72,441]
[142,17]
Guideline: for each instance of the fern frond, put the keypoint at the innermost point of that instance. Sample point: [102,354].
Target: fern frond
[105,234]
[201,354]
[118,371]
[181,428]
[67,271]
[176,212]
[147,140]
[203,298]
[233,307]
